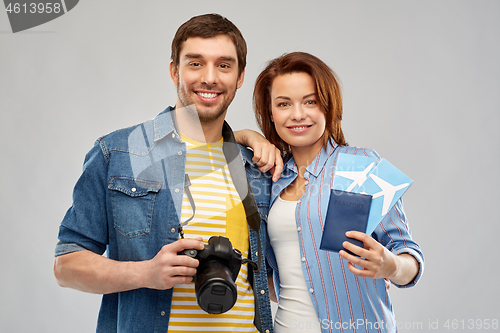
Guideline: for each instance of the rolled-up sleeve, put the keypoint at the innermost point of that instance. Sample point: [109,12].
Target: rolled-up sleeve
[85,226]
[395,234]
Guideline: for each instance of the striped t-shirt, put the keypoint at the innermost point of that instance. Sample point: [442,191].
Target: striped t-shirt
[219,212]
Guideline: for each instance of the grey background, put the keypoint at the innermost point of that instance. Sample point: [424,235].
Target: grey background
[421,82]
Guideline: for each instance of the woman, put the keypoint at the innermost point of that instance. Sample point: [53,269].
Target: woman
[298,106]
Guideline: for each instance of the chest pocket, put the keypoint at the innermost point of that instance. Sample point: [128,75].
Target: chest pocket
[132,202]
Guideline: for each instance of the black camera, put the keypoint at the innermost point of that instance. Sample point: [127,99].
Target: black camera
[215,279]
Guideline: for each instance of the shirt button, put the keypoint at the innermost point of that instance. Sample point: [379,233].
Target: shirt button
[179,153]
[306,182]
[303,259]
[256,254]
[311,290]
[298,229]
[133,189]
[262,292]
[176,190]
[173,135]
[162,313]
[267,331]
[172,230]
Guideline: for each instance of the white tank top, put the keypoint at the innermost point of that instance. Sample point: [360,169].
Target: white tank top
[295,309]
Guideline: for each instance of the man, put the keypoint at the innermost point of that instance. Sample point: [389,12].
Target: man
[134,194]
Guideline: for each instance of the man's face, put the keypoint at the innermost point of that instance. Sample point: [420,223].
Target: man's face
[207,76]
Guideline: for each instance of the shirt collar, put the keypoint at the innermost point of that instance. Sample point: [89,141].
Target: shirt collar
[317,164]
[164,124]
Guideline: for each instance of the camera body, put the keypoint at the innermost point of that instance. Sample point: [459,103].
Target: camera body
[215,278]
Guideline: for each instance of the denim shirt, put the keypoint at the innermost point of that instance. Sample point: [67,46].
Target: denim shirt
[128,202]
[343,301]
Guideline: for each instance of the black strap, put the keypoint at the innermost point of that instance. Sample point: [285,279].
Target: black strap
[239,177]
[240,180]
[243,187]
[187,183]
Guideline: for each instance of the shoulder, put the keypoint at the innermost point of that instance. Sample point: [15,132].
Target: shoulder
[246,154]
[250,166]
[139,138]
[353,150]
[120,138]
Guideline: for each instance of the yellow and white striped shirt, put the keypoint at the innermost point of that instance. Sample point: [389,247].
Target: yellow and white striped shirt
[219,212]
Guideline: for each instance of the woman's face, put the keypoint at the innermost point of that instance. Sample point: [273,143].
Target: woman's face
[297,116]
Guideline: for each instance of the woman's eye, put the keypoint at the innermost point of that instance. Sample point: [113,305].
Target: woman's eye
[311,102]
[282,104]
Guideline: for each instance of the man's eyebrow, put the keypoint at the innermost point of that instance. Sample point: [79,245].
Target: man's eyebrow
[230,59]
[199,56]
[193,56]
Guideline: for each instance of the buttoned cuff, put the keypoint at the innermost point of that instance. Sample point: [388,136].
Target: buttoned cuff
[420,262]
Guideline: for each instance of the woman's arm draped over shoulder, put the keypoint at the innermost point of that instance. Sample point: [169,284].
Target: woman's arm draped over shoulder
[265,154]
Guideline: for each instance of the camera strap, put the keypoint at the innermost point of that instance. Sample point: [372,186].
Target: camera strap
[187,183]
[240,181]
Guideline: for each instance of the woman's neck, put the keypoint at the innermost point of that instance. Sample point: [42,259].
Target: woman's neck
[303,157]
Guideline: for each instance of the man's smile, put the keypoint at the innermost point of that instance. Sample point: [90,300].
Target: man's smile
[207,96]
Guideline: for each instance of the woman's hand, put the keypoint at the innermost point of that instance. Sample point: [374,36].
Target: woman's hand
[377,261]
[265,154]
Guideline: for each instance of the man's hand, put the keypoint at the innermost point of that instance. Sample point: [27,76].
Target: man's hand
[265,154]
[168,268]
[93,273]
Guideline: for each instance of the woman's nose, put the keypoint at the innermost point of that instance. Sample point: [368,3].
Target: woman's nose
[298,112]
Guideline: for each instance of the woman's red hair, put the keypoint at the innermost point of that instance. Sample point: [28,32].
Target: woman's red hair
[327,92]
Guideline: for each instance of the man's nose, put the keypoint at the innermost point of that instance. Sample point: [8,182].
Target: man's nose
[209,75]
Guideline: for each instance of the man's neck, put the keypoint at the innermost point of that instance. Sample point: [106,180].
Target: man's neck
[190,125]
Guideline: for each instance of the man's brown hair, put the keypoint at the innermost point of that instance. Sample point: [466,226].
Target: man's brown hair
[208,26]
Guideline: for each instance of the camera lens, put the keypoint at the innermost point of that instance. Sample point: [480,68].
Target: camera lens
[215,289]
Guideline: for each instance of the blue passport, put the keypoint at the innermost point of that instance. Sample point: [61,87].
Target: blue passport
[347,211]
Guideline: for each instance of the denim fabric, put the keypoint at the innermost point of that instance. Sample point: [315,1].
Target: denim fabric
[128,202]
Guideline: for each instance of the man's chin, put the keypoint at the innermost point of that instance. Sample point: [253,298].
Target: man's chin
[211,116]
[204,113]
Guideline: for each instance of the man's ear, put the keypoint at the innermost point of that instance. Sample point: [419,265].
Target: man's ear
[174,75]
[239,83]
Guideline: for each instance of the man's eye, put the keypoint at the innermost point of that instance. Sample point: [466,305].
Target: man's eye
[224,66]
[195,64]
